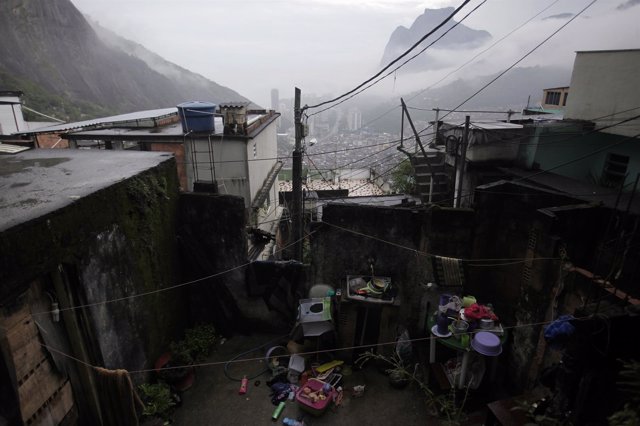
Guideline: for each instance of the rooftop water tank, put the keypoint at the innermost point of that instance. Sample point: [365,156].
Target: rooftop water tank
[197,116]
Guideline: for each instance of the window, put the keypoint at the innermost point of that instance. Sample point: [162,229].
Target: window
[552,98]
[564,101]
[615,170]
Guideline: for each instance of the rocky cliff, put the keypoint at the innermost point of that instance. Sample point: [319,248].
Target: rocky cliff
[461,37]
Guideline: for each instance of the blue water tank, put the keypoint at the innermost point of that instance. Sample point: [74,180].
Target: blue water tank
[197,116]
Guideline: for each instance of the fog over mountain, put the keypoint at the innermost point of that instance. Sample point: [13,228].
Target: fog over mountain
[512,91]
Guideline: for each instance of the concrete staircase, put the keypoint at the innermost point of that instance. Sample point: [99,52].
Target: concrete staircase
[442,176]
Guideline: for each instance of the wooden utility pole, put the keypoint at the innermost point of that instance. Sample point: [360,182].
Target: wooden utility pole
[296,208]
[462,162]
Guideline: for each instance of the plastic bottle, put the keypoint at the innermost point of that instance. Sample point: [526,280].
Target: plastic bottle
[292,422]
[277,411]
[243,386]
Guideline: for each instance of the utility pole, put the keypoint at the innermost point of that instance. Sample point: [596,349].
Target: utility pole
[462,162]
[436,126]
[296,208]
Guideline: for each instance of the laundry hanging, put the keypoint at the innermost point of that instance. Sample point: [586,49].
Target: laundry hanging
[448,271]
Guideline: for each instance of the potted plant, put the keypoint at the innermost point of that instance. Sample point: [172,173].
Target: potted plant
[175,365]
[199,341]
[157,399]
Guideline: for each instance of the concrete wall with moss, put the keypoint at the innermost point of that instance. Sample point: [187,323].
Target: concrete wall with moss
[350,235]
[535,229]
[114,243]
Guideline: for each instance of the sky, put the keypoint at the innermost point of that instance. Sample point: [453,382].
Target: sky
[326,47]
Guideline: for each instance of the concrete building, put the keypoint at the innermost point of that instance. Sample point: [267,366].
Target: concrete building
[11,118]
[588,147]
[354,119]
[600,125]
[78,227]
[238,157]
[275,99]
[605,89]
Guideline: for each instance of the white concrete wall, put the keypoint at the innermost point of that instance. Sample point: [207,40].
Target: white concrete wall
[11,119]
[237,170]
[229,157]
[604,83]
[261,152]
[349,174]
[498,151]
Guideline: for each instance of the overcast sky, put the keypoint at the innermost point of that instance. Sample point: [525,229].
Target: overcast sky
[328,46]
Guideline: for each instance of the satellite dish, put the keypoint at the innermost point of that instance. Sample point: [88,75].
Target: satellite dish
[313,141]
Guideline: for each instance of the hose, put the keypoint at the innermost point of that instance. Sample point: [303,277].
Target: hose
[226,365]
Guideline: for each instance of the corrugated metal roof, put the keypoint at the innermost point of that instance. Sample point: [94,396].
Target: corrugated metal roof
[116,120]
[487,125]
[6,148]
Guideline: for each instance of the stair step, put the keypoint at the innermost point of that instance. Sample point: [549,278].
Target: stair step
[428,175]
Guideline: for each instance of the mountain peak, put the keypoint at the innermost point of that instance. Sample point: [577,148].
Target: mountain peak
[460,37]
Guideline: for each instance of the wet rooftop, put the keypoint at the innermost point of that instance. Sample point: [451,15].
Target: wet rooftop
[37,182]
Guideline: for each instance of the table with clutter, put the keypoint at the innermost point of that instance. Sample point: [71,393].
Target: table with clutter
[468,327]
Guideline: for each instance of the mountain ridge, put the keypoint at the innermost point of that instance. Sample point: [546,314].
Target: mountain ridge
[49,45]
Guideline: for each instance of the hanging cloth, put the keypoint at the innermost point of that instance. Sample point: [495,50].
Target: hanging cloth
[119,401]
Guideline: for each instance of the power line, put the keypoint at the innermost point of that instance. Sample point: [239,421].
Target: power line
[597,151]
[464,111]
[394,61]
[523,57]
[402,64]
[466,63]
[307,353]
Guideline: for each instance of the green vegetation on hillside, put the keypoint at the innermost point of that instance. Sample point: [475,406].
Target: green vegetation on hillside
[59,106]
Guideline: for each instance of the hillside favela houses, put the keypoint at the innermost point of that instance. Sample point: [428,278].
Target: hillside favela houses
[509,298]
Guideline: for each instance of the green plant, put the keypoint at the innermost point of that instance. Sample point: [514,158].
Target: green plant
[199,341]
[445,406]
[157,400]
[403,180]
[179,364]
[181,353]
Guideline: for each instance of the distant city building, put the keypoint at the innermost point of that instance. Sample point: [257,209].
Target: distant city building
[354,119]
[275,99]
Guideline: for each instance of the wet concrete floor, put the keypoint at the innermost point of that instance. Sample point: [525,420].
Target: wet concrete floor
[214,400]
